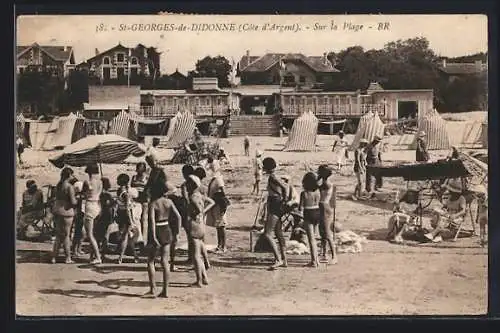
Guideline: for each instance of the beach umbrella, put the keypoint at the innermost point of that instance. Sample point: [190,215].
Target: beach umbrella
[107,148]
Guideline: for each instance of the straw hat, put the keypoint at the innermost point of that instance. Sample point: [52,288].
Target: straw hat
[454,186]
[195,180]
[421,134]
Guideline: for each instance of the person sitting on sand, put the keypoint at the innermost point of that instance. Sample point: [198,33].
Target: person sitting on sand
[404,214]
[326,188]
[257,172]
[198,207]
[445,221]
[160,235]
[277,192]
[31,207]
[309,205]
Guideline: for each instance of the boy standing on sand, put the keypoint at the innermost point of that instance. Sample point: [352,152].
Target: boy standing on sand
[246,145]
[258,167]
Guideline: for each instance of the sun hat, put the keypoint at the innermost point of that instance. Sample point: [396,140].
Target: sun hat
[341,132]
[421,134]
[454,186]
[195,180]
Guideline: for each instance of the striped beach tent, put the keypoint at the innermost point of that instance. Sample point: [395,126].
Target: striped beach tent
[41,134]
[123,125]
[20,122]
[436,132]
[302,136]
[64,133]
[145,126]
[79,127]
[370,125]
[180,129]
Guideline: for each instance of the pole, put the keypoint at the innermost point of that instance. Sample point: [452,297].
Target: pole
[128,76]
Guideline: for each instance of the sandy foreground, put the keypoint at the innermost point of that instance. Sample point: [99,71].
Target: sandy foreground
[385,279]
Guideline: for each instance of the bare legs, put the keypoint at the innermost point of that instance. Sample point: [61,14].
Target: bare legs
[151,270]
[312,244]
[63,229]
[221,239]
[325,230]
[273,224]
[199,265]
[256,187]
[89,227]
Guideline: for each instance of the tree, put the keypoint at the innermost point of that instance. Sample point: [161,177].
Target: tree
[41,89]
[218,67]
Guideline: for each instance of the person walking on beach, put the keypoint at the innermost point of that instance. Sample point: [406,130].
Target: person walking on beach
[258,167]
[342,154]
[373,158]
[422,155]
[246,145]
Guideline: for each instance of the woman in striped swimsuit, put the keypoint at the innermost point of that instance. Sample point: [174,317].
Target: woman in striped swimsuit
[326,211]
[276,190]
[92,190]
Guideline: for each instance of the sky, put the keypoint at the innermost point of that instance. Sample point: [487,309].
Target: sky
[449,35]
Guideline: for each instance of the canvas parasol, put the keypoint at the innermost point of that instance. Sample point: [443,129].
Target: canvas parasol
[108,148]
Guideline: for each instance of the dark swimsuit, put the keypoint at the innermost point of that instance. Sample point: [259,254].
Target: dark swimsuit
[312,215]
[274,202]
[163,233]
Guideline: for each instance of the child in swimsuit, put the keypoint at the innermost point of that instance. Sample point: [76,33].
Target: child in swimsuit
[257,172]
[160,235]
[277,192]
[326,211]
[309,205]
[196,215]
[124,215]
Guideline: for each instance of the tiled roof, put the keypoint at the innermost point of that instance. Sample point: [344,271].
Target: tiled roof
[56,52]
[259,64]
[463,68]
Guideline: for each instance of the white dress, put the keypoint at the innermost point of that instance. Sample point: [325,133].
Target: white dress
[342,147]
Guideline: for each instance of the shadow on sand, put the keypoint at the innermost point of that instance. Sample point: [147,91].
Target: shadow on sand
[76,293]
[115,284]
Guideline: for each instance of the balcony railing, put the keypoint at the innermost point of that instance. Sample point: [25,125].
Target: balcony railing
[334,110]
[156,111]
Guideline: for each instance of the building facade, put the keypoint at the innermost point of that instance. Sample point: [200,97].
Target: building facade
[122,65]
[58,59]
[204,99]
[286,70]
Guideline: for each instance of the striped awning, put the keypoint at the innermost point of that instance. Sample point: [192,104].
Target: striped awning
[370,125]
[181,128]
[436,131]
[108,148]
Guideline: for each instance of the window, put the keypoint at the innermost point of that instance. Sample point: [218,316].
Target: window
[348,100]
[105,61]
[134,61]
[207,101]
[326,100]
[120,57]
[197,101]
[21,70]
[337,100]
[292,100]
[219,101]
[100,114]
[302,79]
[133,72]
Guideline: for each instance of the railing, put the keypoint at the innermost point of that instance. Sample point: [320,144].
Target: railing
[156,111]
[334,110]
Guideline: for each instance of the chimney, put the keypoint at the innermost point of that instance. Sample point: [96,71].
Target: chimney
[325,58]
[96,51]
[444,62]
